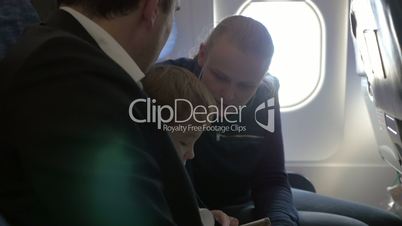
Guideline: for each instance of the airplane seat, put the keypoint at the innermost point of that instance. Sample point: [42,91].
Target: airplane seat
[301,182]
[377,29]
[15,15]
[3,221]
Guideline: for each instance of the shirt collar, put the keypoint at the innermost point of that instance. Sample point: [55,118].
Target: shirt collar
[109,45]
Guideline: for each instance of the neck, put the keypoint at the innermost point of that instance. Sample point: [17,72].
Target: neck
[126,30]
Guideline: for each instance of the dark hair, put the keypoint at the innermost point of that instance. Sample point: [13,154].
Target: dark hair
[111,8]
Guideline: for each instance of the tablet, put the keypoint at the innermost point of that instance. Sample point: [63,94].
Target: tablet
[261,222]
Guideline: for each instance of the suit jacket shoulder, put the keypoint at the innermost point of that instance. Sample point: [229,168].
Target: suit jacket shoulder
[70,153]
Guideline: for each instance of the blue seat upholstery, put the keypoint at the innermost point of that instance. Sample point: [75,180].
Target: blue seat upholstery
[15,16]
[3,221]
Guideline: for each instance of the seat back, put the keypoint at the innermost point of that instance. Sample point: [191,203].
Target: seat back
[377,28]
[15,15]
[3,221]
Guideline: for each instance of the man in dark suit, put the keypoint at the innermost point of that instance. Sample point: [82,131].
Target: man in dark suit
[69,152]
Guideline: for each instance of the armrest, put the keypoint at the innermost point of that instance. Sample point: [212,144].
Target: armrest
[300,182]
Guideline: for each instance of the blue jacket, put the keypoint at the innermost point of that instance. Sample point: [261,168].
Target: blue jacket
[235,168]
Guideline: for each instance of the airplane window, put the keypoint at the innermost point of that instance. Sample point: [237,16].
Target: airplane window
[170,43]
[296,28]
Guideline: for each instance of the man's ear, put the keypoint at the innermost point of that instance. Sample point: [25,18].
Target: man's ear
[150,11]
[202,54]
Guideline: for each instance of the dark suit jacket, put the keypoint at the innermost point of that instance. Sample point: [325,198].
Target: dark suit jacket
[69,153]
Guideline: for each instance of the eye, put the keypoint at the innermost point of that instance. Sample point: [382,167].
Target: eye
[178,5]
[182,143]
[220,77]
[246,86]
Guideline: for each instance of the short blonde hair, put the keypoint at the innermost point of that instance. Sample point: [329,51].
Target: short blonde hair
[247,34]
[166,83]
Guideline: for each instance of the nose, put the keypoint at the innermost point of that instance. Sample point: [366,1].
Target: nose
[189,154]
[228,93]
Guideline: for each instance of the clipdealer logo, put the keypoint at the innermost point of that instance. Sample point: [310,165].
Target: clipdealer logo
[268,106]
[166,116]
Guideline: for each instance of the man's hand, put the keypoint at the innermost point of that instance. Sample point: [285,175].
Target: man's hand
[224,219]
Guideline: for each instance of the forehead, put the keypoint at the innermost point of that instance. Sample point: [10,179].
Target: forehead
[226,57]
